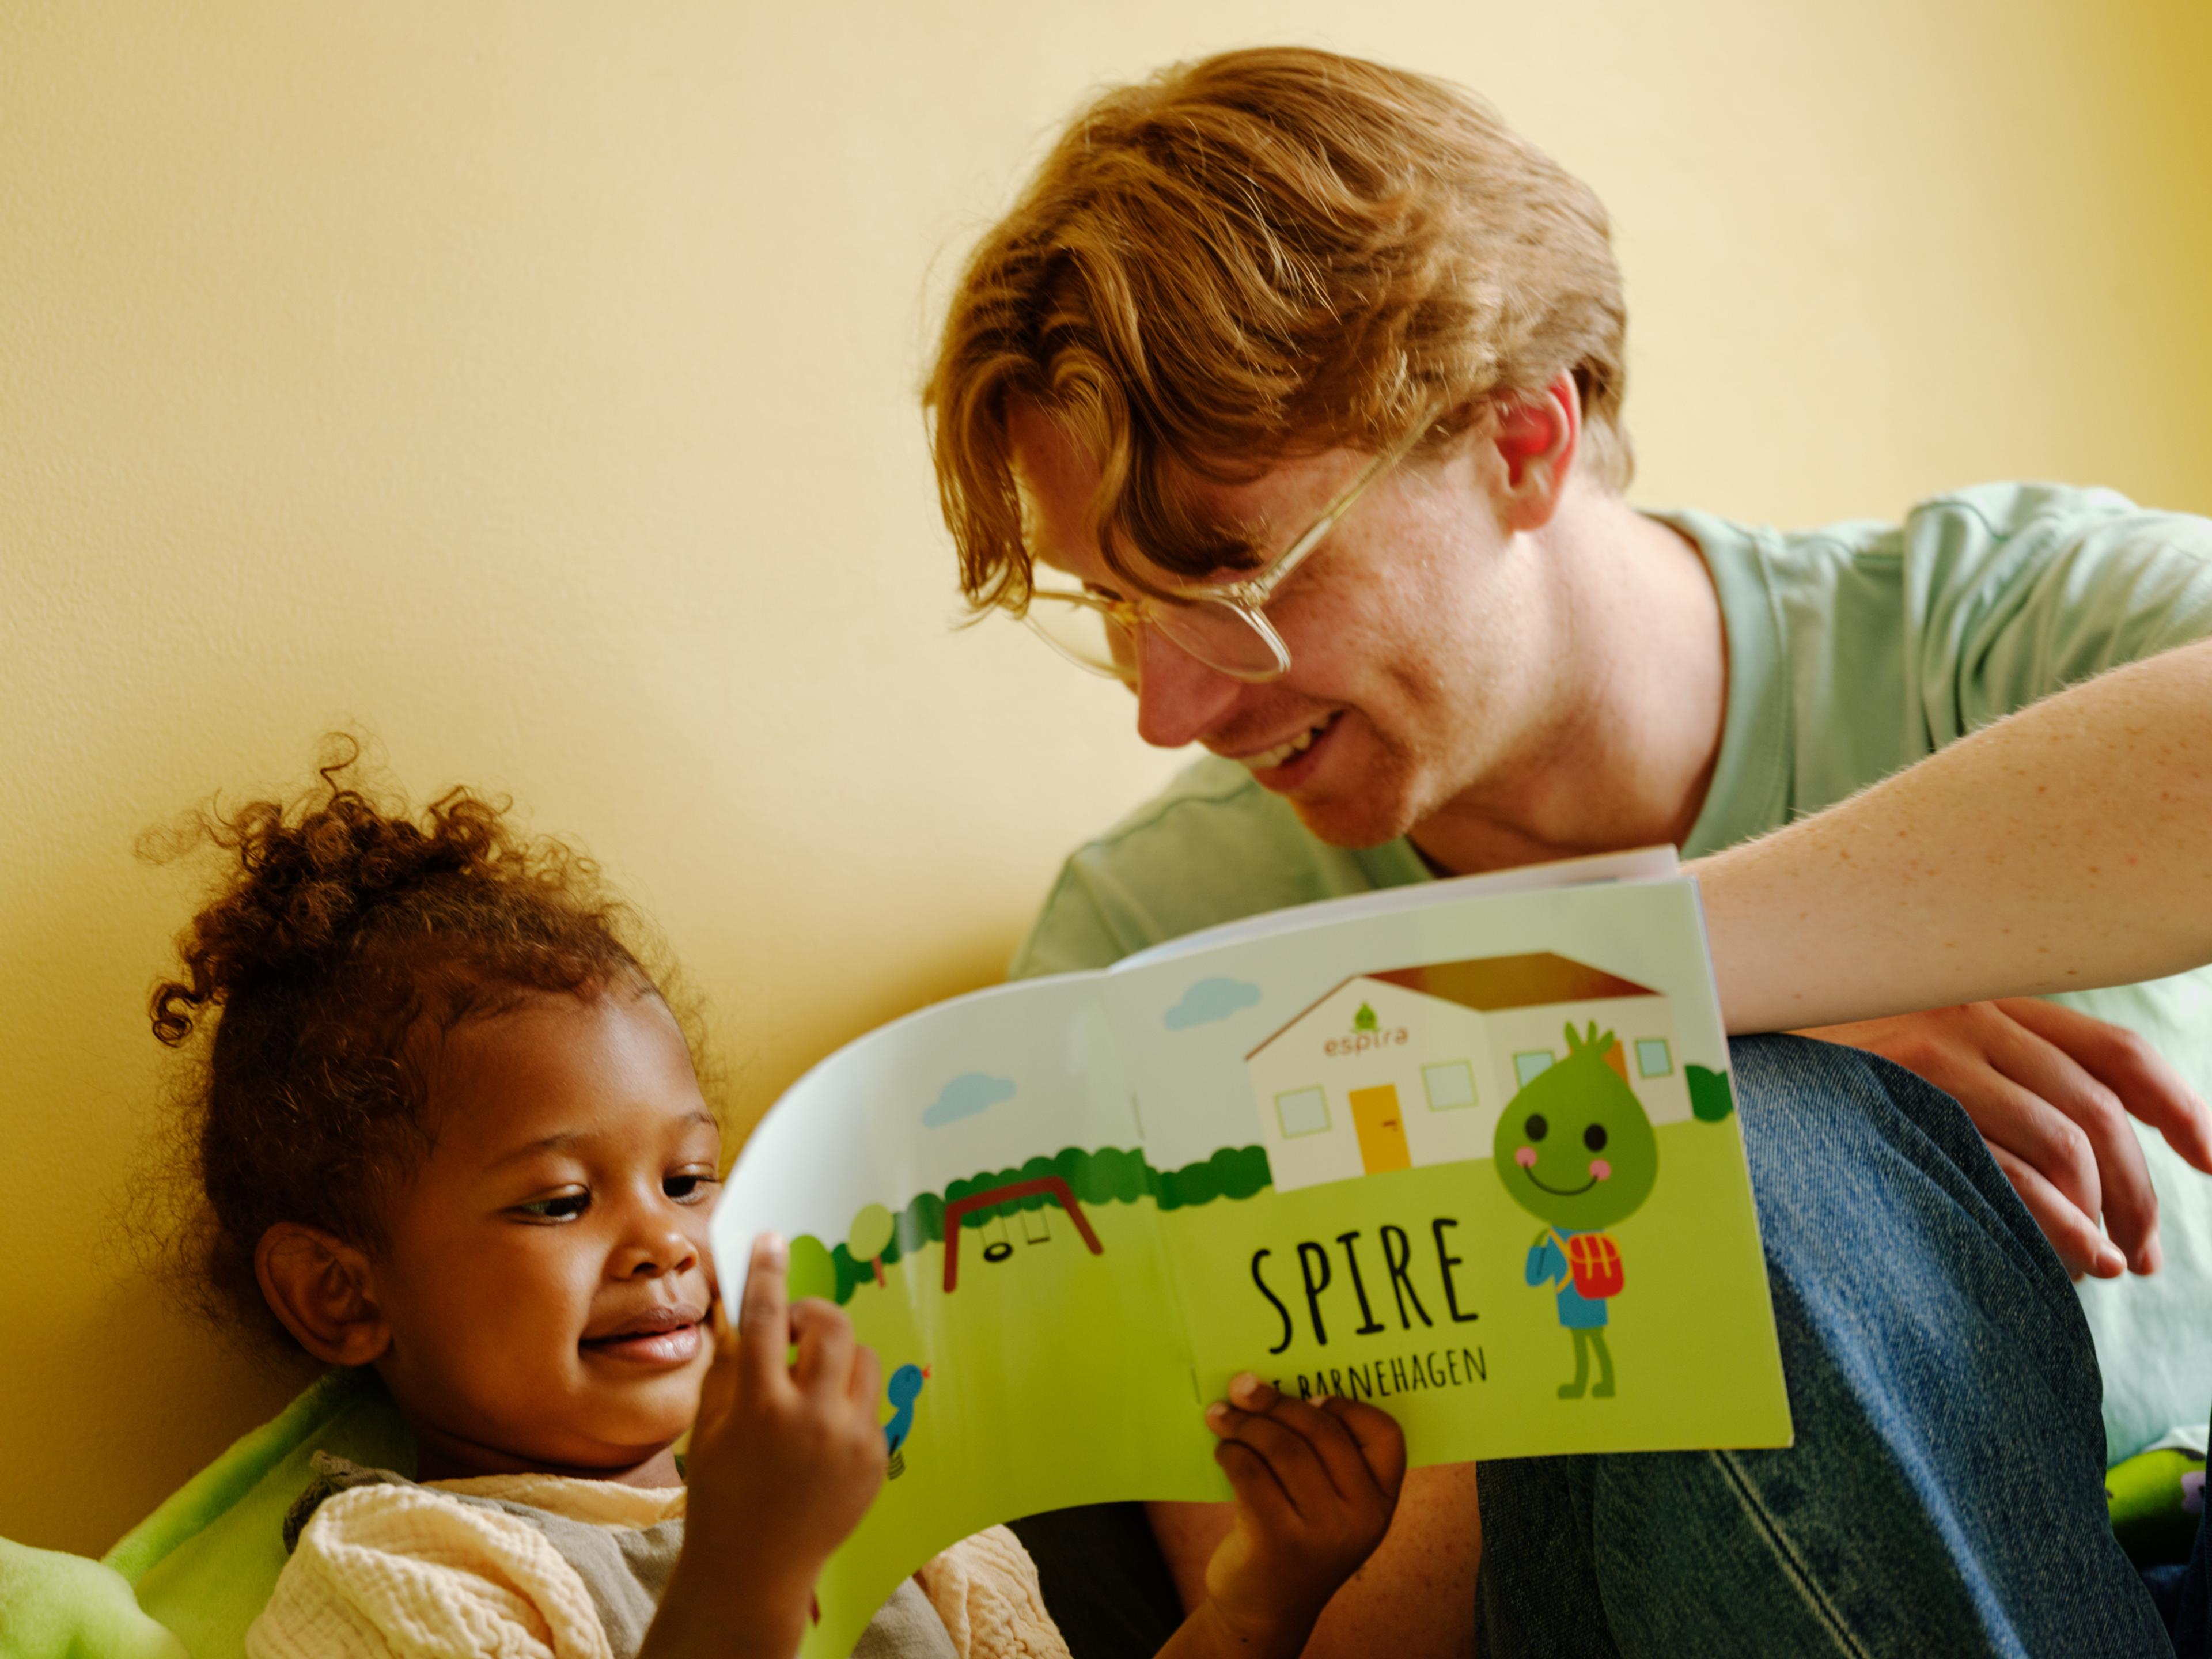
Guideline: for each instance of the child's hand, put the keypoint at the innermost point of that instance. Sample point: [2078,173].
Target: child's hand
[785,1460]
[1317,1483]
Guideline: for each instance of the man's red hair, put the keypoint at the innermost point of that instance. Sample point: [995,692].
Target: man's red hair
[1258,255]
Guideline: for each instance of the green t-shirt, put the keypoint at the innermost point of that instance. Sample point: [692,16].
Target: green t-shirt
[1853,651]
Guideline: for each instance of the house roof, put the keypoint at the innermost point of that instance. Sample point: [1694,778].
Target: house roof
[1490,983]
[1534,979]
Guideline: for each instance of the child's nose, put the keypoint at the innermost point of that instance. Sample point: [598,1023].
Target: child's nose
[653,1250]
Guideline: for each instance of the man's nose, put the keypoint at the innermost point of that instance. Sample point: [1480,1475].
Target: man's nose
[1179,698]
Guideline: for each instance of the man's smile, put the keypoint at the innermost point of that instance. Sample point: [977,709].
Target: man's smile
[1296,745]
[1284,759]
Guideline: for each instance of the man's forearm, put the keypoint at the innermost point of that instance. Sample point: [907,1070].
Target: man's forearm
[2067,846]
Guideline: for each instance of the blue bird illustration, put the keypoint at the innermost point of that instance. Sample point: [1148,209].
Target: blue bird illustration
[903,1389]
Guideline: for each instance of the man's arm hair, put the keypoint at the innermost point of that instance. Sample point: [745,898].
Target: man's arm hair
[2064,847]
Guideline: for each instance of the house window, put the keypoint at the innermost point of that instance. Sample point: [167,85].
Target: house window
[1450,1085]
[1531,1063]
[1653,1058]
[1301,1112]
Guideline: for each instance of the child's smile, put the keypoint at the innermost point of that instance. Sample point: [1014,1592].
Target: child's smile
[660,1336]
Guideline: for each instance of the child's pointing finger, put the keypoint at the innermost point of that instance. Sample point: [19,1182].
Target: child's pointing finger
[763,1331]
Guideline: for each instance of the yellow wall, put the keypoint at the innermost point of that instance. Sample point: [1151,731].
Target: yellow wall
[532,383]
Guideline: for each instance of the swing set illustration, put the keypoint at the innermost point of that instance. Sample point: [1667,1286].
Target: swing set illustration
[1036,1227]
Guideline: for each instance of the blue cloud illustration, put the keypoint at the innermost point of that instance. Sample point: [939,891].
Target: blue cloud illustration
[965,1096]
[1210,1000]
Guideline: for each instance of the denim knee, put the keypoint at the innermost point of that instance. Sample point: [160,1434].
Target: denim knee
[1944,1493]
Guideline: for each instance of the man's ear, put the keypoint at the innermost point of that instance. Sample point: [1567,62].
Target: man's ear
[1537,437]
[321,1287]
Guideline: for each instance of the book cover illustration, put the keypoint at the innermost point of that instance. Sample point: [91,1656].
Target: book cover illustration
[1472,1155]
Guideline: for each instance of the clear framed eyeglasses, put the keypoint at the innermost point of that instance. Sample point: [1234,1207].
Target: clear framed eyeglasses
[1223,625]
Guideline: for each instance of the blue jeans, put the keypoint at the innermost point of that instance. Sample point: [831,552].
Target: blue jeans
[1945,1494]
[2184,1595]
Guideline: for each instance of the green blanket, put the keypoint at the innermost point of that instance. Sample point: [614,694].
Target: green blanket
[194,1574]
[62,1607]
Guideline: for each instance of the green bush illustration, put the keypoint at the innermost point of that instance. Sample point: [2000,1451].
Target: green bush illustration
[1234,1172]
[1108,1176]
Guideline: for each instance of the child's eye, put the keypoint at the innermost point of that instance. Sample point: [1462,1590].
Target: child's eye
[689,1188]
[562,1207]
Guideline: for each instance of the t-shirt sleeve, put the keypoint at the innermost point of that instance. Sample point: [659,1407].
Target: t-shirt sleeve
[2029,589]
[1072,933]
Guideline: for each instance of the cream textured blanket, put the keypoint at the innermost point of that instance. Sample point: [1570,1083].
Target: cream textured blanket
[393,1570]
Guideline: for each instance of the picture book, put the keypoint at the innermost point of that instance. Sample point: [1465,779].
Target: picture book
[1467,1150]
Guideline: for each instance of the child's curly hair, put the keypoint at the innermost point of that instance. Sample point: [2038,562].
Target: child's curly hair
[350,936]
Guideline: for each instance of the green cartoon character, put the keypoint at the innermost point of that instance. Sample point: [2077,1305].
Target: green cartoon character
[1574,1149]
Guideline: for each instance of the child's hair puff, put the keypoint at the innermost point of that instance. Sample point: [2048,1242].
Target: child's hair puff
[350,935]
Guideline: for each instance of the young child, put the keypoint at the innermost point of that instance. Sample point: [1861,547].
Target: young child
[450,1126]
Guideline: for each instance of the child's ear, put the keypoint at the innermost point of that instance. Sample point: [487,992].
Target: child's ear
[320,1287]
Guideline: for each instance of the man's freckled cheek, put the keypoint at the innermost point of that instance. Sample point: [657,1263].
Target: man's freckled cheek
[1361,638]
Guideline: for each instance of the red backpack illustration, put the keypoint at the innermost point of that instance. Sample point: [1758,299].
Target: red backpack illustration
[1595,1260]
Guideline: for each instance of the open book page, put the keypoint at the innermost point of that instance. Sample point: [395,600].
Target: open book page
[969,1184]
[1507,1198]
[1468,1151]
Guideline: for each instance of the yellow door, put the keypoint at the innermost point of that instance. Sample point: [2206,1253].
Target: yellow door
[1382,1131]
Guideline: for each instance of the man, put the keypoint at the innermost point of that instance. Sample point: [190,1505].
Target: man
[1291,393]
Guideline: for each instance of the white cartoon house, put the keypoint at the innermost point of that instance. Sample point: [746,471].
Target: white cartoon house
[1413,1067]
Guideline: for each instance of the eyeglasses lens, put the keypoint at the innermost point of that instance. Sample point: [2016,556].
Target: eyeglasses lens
[1085,636]
[1221,636]
[1218,634]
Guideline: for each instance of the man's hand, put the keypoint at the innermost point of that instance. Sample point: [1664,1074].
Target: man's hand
[785,1459]
[1316,1484]
[2052,1090]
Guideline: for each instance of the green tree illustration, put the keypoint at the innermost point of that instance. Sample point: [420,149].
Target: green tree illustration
[871,1233]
